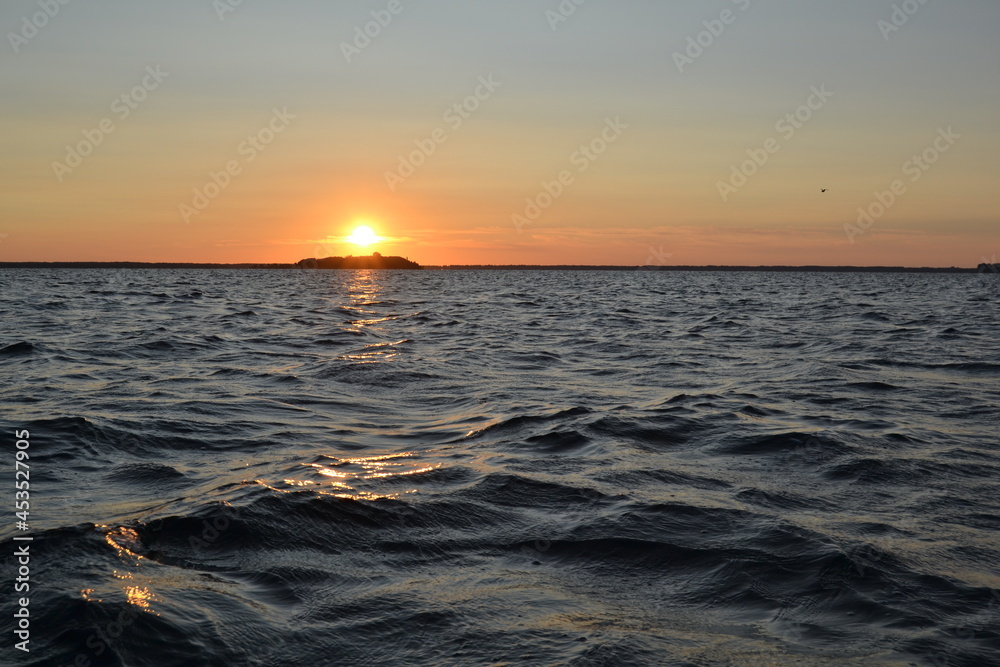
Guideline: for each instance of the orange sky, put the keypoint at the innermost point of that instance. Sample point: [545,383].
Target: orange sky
[327,132]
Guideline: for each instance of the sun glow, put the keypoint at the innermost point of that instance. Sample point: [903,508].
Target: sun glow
[363,235]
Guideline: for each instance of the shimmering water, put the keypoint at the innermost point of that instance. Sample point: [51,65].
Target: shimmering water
[520,468]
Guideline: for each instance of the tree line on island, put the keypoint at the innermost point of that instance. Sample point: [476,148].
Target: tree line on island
[373,261]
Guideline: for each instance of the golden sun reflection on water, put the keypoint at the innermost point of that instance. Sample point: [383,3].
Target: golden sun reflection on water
[140,596]
[363,291]
[363,286]
[357,478]
[123,541]
[126,544]
[375,353]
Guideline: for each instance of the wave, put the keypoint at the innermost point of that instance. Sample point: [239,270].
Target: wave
[464,468]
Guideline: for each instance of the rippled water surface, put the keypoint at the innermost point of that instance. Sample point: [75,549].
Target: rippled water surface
[505,468]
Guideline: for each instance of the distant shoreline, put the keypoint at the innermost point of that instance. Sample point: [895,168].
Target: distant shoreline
[504,267]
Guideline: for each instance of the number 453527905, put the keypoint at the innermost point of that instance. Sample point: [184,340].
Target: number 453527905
[21,480]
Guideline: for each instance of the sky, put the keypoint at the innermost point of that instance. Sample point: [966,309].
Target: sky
[502,132]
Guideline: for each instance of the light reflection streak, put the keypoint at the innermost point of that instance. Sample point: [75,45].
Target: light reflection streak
[342,477]
[362,292]
[140,596]
[376,352]
[126,544]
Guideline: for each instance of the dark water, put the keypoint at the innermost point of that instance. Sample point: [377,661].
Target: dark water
[505,468]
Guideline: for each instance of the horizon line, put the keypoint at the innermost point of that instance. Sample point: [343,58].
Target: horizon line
[128,264]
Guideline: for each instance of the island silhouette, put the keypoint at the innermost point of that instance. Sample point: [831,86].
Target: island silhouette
[373,261]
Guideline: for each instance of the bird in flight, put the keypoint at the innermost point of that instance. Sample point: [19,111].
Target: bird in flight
[823,190]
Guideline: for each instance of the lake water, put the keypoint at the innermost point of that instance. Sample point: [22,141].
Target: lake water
[505,468]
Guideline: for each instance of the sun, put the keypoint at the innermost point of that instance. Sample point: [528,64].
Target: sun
[363,235]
